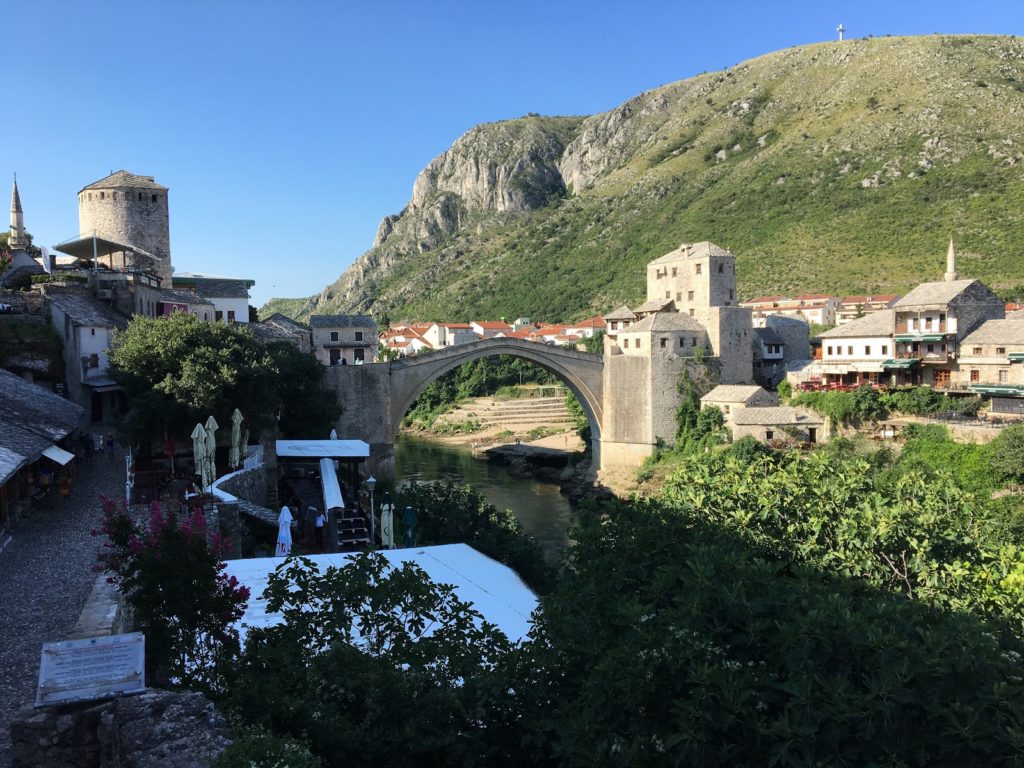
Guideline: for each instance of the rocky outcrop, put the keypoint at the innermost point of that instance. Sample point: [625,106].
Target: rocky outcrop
[156,729]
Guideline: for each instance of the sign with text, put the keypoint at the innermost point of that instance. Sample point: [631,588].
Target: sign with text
[92,668]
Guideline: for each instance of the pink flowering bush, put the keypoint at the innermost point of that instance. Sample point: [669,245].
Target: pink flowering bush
[171,574]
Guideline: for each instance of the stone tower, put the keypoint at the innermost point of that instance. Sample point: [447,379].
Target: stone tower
[133,210]
[17,237]
[951,275]
[696,276]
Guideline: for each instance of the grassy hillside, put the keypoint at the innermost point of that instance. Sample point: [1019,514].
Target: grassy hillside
[836,167]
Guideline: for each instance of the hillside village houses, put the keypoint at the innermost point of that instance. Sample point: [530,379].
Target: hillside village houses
[817,308]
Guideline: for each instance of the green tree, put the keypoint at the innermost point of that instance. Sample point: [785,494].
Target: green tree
[1006,453]
[688,409]
[178,370]
[595,343]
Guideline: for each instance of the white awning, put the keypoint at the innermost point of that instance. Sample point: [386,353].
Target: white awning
[329,482]
[323,449]
[59,455]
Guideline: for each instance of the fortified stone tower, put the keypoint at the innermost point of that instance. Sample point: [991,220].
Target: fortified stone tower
[132,210]
[17,236]
[696,276]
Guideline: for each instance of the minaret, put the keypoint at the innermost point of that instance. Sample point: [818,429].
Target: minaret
[951,263]
[17,236]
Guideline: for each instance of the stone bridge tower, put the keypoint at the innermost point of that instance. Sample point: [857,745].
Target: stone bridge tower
[129,209]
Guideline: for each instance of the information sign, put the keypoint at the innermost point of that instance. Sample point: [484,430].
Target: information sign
[92,668]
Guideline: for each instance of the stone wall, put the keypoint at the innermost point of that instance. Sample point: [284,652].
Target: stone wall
[156,729]
[730,330]
[125,217]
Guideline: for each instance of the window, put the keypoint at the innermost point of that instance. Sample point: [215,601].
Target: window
[359,335]
[673,271]
[153,199]
[1002,377]
[769,435]
[664,343]
[975,375]
[1000,350]
[867,349]
[231,315]
[625,343]
[698,266]
[941,378]
[830,350]
[931,348]
[638,343]
[94,361]
[693,342]
[885,349]
[218,315]
[334,335]
[359,355]
[140,195]
[975,350]
[720,268]
[731,297]
[668,294]
[334,356]
[911,323]
[689,295]
[92,331]
[849,350]
[682,342]
[679,295]
[942,319]
[691,311]
[102,195]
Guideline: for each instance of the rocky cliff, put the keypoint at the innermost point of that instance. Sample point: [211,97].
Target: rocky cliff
[841,167]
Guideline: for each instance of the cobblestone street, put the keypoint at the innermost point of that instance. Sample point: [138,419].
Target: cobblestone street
[45,578]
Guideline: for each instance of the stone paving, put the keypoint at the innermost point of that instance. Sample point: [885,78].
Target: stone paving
[45,578]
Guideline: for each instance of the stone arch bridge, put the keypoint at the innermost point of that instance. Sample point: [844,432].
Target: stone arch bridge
[375,397]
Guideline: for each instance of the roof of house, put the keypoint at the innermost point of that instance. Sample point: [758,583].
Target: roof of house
[124,179]
[622,313]
[492,325]
[1010,331]
[660,322]
[875,324]
[591,322]
[283,321]
[886,298]
[655,305]
[775,415]
[213,286]
[85,310]
[939,292]
[270,332]
[700,250]
[182,297]
[763,300]
[733,393]
[813,297]
[31,419]
[768,336]
[341,321]
[456,326]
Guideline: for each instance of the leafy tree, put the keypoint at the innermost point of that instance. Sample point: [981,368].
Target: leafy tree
[688,409]
[595,344]
[710,424]
[1006,453]
[374,665]
[178,370]
[448,513]
[867,404]
[171,575]
[785,390]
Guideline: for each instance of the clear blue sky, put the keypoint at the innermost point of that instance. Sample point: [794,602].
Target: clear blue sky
[286,130]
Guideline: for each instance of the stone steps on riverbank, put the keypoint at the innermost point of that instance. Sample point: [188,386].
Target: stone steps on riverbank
[511,414]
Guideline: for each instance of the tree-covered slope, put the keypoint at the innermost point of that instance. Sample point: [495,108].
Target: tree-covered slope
[835,167]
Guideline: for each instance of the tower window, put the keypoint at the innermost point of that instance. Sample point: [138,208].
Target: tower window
[720,268]
[153,198]
[359,335]
[689,295]
[664,342]
[691,311]
[673,271]
[334,335]
[102,195]
[668,294]
[698,266]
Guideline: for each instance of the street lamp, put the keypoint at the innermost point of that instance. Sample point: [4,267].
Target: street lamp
[371,483]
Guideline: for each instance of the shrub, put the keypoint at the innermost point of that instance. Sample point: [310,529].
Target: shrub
[173,580]
[256,749]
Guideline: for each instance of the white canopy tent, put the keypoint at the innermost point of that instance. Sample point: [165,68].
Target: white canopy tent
[320,449]
[329,482]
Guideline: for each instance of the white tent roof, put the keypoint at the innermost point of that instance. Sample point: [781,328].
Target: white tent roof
[494,589]
[58,454]
[320,449]
[329,482]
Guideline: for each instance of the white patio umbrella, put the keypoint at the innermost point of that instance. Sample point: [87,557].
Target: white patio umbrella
[284,533]
[236,439]
[334,434]
[199,450]
[243,448]
[211,451]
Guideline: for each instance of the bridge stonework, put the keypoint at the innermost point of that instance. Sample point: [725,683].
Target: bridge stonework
[629,401]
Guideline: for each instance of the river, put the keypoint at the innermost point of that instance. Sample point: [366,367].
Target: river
[543,511]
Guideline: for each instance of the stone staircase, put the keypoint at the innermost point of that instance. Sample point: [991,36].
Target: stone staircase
[518,413]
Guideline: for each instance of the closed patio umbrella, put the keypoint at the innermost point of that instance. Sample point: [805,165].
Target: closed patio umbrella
[211,451]
[199,451]
[284,533]
[236,439]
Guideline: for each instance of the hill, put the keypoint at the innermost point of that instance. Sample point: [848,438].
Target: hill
[834,167]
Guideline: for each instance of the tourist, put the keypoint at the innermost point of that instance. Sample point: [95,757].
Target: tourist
[284,532]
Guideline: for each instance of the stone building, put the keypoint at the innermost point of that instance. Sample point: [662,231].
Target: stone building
[228,295]
[992,363]
[344,339]
[277,327]
[132,210]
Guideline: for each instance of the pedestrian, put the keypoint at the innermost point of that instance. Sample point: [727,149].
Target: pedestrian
[409,521]
[318,526]
[110,445]
[284,532]
[387,523]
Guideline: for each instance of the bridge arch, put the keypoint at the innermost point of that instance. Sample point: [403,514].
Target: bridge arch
[582,372]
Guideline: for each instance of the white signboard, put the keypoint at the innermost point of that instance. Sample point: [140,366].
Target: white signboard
[93,668]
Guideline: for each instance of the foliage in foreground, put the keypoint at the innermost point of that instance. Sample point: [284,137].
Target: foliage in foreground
[170,573]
